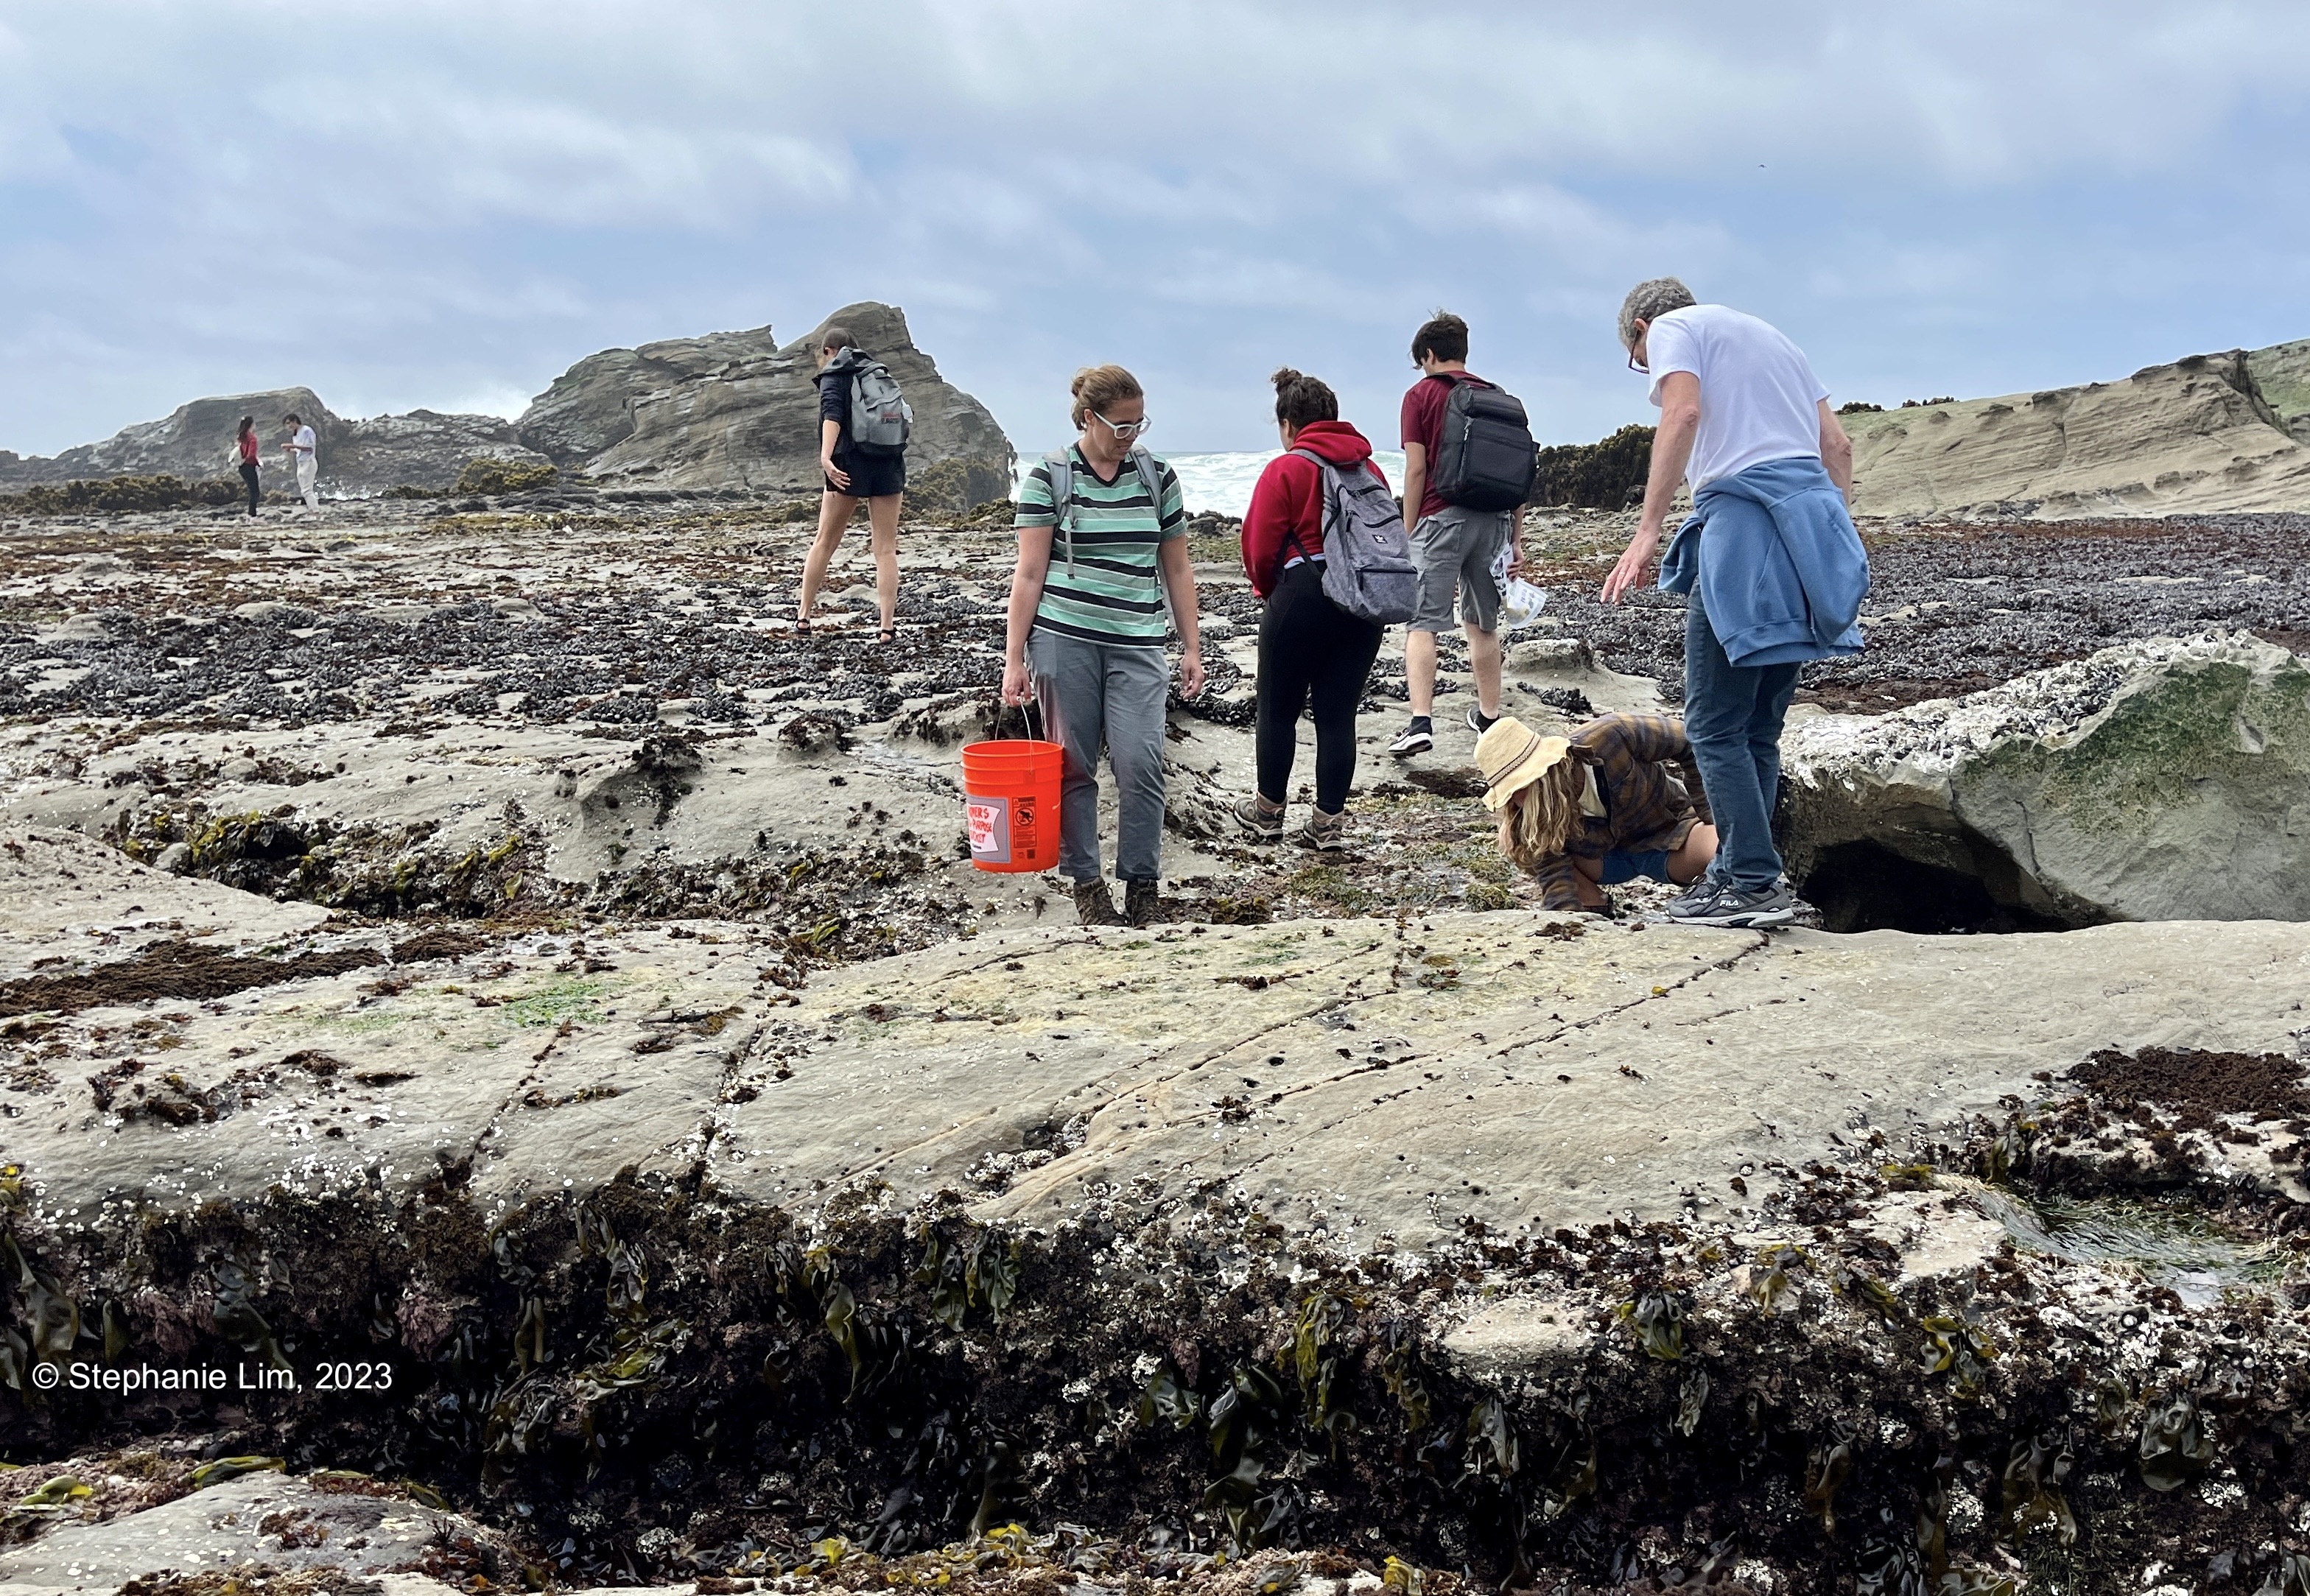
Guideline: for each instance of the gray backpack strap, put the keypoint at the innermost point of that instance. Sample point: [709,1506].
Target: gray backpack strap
[1327,475]
[1063,501]
[1151,477]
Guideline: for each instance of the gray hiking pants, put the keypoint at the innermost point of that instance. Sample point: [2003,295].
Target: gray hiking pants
[1110,695]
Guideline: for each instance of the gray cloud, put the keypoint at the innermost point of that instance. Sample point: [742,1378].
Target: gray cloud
[412,203]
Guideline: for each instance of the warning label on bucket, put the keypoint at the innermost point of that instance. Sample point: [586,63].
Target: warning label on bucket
[989,819]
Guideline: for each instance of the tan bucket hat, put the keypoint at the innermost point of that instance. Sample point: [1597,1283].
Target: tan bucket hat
[1513,756]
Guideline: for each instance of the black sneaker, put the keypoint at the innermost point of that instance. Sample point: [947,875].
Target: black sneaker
[1260,822]
[1735,908]
[1479,721]
[1415,738]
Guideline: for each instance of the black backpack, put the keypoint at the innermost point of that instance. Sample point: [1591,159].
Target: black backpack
[1484,457]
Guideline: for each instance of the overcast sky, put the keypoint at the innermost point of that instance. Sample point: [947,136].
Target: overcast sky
[402,203]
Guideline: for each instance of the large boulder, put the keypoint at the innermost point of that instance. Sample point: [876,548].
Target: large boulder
[423,448]
[193,441]
[2168,779]
[590,407]
[734,410]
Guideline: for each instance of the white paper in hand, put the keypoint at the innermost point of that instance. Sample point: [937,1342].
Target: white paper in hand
[1521,602]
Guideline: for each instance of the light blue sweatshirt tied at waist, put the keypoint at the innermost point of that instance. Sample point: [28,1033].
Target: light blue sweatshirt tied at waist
[1778,563]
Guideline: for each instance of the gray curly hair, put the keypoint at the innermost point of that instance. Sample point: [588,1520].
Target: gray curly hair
[1650,300]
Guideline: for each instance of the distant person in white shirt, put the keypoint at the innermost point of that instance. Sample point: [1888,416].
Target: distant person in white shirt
[304,454]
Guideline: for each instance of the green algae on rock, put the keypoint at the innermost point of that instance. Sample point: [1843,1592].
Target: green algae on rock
[2165,780]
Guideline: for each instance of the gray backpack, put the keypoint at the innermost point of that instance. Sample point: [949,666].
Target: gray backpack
[880,419]
[1368,569]
[1063,494]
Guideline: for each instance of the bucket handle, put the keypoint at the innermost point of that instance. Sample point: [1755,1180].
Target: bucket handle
[1031,706]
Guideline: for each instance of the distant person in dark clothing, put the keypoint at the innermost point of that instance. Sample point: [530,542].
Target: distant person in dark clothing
[1309,648]
[245,449]
[850,476]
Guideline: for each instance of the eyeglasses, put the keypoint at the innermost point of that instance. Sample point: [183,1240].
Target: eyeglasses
[1639,370]
[1127,429]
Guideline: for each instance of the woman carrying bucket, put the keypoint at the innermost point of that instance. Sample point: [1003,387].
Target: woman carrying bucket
[1102,543]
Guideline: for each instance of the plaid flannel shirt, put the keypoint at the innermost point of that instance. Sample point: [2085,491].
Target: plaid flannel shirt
[1648,806]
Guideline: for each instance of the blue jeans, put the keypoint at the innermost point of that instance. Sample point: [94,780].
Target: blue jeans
[1620,865]
[1732,714]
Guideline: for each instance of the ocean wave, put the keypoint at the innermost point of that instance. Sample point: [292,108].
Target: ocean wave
[1222,483]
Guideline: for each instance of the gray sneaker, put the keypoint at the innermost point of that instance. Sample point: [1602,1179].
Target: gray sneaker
[1734,907]
[1703,889]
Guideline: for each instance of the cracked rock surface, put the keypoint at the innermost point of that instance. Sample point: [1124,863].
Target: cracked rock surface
[1367,1079]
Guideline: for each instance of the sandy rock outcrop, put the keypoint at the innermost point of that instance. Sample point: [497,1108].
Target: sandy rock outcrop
[2198,435]
[735,410]
[424,448]
[2162,780]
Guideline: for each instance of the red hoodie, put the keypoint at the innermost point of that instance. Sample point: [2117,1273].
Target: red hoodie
[1286,519]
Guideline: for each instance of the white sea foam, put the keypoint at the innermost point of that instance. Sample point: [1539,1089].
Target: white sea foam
[1222,482]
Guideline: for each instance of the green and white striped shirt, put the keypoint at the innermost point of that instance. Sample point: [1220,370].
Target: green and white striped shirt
[1115,593]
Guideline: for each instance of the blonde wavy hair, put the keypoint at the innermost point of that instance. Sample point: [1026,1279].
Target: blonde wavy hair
[1540,820]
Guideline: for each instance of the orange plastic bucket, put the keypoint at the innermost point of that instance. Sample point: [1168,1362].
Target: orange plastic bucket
[1011,803]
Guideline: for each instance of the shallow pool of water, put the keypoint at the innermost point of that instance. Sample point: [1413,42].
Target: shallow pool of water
[2171,1243]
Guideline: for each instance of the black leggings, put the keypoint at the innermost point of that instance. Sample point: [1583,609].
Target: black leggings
[248,475]
[1310,648]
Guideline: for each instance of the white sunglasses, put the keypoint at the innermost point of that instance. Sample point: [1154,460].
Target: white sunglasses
[1127,429]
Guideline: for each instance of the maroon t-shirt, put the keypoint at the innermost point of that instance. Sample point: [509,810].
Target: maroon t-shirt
[1423,424]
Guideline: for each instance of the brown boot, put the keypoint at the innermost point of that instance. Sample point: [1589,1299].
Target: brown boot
[1094,905]
[1325,833]
[1143,902]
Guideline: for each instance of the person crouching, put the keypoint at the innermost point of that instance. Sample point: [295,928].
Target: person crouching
[1603,806]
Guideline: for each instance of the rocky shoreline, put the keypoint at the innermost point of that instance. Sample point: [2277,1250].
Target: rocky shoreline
[484,939]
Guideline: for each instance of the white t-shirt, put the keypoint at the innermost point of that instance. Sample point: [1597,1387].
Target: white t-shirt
[303,443]
[1759,400]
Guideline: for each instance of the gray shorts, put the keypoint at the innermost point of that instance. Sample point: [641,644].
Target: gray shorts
[1452,548]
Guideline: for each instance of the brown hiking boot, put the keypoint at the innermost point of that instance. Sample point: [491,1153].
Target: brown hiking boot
[1327,833]
[1095,904]
[1143,901]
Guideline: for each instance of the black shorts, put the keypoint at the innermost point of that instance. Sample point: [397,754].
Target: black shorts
[873,476]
